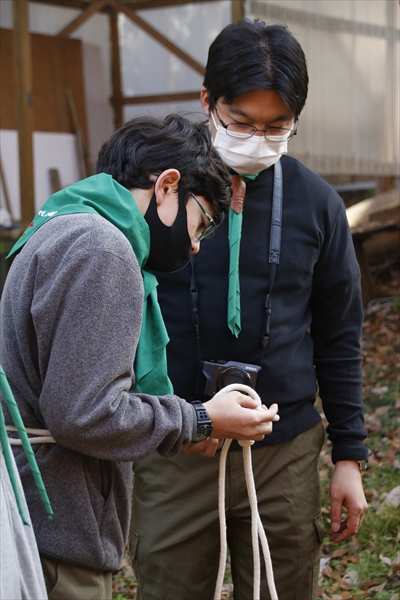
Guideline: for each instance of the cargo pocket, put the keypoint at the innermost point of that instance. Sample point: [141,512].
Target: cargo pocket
[319,528]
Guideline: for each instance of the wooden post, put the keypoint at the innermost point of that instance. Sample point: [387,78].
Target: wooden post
[116,99]
[24,104]
[237,10]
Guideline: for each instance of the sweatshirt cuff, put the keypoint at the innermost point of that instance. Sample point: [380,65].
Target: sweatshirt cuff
[348,449]
[194,422]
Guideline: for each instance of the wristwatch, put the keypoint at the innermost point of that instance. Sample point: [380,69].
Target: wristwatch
[362,465]
[204,425]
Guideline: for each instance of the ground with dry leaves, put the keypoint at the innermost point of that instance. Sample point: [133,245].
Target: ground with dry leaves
[367,566]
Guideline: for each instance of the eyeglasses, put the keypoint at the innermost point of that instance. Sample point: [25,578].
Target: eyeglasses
[208,231]
[272,134]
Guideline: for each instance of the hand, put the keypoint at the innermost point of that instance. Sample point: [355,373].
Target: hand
[207,448]
[347,492]
[235,416]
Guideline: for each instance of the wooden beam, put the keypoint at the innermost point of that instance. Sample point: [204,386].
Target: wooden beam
[116,99]
[157,36]
[143,5]
[135,5]
[24,104]
[79,4]
[237,10]
[96,6]
[152,98]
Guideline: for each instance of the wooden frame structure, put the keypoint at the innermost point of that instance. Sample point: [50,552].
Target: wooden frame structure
[23,69]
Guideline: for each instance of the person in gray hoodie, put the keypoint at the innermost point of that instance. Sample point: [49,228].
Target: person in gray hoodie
[83,342]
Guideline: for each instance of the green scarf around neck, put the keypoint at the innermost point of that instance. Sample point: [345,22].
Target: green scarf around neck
[102,195]
[234,236]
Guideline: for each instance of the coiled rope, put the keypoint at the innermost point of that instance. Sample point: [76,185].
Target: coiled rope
[257,529]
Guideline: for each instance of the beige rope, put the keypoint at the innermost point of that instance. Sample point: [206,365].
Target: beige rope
[257,529]
[43,436]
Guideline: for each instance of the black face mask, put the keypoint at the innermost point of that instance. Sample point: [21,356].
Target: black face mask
[169,246]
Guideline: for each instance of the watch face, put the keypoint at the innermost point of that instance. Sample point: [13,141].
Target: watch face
[203,432]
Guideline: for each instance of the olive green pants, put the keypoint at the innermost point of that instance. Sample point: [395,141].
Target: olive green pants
[69,582]
[174,541]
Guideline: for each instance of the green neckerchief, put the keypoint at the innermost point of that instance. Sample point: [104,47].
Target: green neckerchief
[30,455]
[234,236]
[103,196]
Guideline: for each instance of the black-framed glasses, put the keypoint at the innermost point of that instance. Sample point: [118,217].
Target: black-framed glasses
[272,134]
[208,231]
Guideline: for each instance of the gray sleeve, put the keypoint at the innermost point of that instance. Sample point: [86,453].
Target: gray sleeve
[89,317]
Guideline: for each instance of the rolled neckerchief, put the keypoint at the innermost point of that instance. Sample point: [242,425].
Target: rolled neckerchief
[5,445]
[103,196]
[234,236]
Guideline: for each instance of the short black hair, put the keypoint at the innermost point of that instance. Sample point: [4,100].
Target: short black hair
[146,145]
[250,55]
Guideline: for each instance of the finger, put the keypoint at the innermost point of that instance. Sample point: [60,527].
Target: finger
[354,523]
[194,448]
[341,535]
[211,448]
[336,515]
[246,401]
[272,411]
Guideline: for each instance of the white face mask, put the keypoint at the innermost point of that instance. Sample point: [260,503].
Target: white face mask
[248,155]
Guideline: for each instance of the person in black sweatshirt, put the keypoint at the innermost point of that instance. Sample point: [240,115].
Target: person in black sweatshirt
[273,301]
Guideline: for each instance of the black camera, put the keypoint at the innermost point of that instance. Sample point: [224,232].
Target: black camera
[213,376]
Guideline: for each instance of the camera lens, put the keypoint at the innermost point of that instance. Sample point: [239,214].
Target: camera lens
[233,375]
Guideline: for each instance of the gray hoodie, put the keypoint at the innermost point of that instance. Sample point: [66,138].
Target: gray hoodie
[70,322]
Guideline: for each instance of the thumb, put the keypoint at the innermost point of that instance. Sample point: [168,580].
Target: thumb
[336,515]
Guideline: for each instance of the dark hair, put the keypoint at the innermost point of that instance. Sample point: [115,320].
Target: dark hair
[147,145]
[250,55]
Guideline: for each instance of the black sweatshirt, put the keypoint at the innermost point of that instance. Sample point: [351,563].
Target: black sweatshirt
[316,319]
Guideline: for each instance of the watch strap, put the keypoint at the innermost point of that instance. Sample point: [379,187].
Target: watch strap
[204,425]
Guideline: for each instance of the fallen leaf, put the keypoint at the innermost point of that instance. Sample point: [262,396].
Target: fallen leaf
[339,552]
[385,560]
[396,561]
[372,422]
[350,579]
[378,588]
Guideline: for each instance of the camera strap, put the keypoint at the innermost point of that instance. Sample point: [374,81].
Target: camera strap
[274,246]
[273,259]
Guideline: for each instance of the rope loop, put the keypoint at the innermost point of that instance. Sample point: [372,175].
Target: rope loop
[257,529]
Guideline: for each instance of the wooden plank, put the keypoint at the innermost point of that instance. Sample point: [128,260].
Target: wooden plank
[46,83]
[161,39]
[96,6]
[24,105]
[85,163]
[117,94]
[5,190]
[8,111]
[55,180]
[57,65]
[237,10]
[178,97]
[71,52]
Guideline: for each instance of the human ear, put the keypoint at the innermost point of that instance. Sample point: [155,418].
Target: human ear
[166,188]
[205,100]
[166,184]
